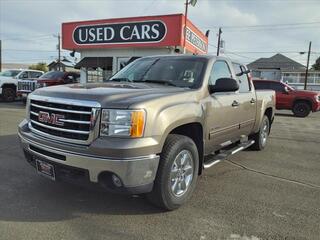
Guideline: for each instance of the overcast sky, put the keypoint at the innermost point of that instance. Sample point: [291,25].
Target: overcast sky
[28,27]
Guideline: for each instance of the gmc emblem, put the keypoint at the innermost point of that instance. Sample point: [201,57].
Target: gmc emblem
[54,118]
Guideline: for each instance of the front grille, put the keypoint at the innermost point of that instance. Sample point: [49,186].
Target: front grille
[65,121]
[26,86]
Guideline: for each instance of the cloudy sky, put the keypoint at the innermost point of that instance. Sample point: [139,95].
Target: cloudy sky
[251,28]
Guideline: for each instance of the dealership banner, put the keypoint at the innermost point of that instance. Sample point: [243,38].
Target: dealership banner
[153,31]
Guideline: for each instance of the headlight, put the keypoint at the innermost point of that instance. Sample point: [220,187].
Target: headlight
[318,98]
[122,123]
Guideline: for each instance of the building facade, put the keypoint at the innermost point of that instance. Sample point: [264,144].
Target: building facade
[107,45]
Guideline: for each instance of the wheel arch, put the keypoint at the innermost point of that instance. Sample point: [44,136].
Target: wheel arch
[193,130]
[9,85]
[306,100]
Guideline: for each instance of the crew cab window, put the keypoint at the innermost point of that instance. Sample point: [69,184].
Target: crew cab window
[23,75]
[244,84]
[278,87]
[35,74]
[220,69]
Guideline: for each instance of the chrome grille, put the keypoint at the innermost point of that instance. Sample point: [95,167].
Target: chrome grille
[26,86]
[66,120]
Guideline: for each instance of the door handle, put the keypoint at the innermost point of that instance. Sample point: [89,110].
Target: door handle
[235,103]
[252,100]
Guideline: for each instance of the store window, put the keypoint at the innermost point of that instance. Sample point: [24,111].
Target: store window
[98,75]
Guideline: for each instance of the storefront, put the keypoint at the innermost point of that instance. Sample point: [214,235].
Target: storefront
[108,45]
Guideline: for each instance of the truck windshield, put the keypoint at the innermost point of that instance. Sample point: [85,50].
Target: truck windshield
[52,75]
[179,72]
[10,73]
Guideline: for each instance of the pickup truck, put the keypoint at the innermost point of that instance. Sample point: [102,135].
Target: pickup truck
[300,102]
[151,129]
[9,81]
[26,86]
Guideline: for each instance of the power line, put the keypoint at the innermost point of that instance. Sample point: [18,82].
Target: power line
[268,25]
[35,37]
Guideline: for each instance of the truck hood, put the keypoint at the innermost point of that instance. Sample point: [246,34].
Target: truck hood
[305,93]
[110,95]
[5,78]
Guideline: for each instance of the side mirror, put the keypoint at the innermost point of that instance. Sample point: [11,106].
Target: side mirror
[286,90]
[224,85]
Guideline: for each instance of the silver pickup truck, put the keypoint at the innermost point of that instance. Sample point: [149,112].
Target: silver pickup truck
[152,128]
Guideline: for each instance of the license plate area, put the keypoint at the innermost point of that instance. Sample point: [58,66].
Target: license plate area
[45,169]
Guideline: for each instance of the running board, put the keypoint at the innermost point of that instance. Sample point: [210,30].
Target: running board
[222,156]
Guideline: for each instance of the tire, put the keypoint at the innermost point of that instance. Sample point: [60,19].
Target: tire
[301,109]
[260,138]
[175,180]
[8,94]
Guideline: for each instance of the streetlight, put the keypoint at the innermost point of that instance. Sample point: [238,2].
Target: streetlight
[192,3]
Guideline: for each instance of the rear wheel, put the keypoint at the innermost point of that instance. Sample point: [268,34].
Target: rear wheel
[8,94]
[177,173]
[260,138]
[301,109]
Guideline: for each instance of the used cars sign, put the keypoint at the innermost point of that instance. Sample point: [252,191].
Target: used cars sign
[117,33]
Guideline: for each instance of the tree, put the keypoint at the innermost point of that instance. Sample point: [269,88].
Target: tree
[316,66]
[41,66]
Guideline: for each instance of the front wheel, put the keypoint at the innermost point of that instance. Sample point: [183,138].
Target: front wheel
[177,173]
[8,94]
[260,138]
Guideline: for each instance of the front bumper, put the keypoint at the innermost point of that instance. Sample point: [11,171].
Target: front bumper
[137,174]
[316,107]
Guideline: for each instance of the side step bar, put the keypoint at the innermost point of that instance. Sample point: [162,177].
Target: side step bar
[214,159]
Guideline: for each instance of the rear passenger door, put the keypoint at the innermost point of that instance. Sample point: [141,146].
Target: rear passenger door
[246,99]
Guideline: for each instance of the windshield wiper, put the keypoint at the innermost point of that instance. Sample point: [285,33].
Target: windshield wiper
[158,81]
[120,79]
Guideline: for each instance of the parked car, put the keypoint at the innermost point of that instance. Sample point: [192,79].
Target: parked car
[152,128]
[51,78]
[300,102]
[9,82]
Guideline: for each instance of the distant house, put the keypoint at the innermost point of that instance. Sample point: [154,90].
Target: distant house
[65,65]
[282,68]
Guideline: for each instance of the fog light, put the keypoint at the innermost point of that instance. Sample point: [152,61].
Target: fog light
[116,181]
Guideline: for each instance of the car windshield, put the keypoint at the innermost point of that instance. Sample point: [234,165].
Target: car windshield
[10,73]
[52,75]
[179,72]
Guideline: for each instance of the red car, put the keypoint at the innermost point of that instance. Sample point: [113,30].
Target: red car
[301,102]
[52,78]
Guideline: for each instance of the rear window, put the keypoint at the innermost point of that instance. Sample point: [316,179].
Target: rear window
[52,75]
[261,85]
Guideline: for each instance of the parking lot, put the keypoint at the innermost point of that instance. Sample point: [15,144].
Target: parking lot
[273,194]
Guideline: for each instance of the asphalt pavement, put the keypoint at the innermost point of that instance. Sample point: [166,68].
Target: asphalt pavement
[272,194]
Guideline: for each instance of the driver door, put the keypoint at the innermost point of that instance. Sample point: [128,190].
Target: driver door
[222,112]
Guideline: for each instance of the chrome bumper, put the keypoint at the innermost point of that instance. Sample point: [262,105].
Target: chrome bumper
[133,172]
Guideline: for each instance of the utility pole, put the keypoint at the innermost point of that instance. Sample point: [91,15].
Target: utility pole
[219,40]
[307,70]
[0,56]
[193,3]
[185,26]
[59,52]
